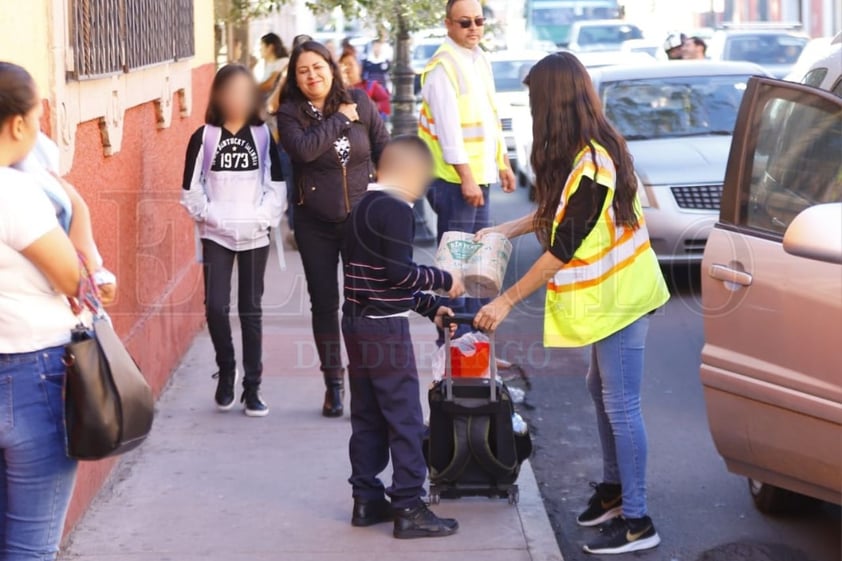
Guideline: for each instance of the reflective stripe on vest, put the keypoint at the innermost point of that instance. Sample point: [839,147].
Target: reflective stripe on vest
[613,278]
[470,115]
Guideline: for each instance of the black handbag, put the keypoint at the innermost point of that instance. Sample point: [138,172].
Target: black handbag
[108,405]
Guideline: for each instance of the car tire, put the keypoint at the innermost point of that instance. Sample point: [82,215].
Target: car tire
[769,499]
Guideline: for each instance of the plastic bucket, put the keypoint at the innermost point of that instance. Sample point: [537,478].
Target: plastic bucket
[482,265]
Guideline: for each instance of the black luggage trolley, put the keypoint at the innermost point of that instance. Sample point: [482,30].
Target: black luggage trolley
[472,448]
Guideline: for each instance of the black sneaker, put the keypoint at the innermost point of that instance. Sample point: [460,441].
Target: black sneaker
[253,403]
[225,394]
[369,513]
[606,503]
[623,535]
[420,522]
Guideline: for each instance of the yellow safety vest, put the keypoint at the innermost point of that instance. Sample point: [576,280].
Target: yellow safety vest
[613,278]
[470,115]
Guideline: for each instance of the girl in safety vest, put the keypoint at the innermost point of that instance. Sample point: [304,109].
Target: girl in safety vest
[602,279]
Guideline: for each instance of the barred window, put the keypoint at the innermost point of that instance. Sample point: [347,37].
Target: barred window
[112,36]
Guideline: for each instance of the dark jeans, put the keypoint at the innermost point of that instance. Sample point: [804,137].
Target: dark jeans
[320,244]
[251,268]
[292,192]
[456,215]
[386,415]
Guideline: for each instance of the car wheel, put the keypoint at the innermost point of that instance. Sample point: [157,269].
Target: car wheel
[773,500]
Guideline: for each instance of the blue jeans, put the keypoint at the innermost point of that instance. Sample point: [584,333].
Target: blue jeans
[37,476]
[614,381]
[456,215]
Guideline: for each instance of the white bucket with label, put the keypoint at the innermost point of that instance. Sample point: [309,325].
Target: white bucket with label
[482,265]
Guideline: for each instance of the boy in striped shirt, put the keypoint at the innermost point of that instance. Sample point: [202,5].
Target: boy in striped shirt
[382,286]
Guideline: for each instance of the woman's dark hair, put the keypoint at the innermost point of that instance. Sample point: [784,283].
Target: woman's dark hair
[567,117]
[18,95]
[214,115]
[337,94]
[272,40]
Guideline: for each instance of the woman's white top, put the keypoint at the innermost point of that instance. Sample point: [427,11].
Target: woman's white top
[33,315]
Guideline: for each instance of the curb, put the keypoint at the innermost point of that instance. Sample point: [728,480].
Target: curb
[540,537]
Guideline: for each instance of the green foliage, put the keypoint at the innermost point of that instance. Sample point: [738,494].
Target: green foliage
[242,11]
[396,15]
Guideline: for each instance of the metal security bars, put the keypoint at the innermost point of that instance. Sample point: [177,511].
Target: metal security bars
[112,36]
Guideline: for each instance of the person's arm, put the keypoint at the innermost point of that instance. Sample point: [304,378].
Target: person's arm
[81,231]
[580,217]
[267,85]
[193,196]
[511,229]
[28,225]
[308,144]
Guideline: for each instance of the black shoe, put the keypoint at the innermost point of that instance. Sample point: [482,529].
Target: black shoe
[371,513]
[420,522]
[334,394]
[225,394]
[606,503]
[253,403]
[623,535]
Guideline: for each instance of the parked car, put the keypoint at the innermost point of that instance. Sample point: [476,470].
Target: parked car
[512,100]
[775,47]
[677,118]
[601,35]
[825,71]
[771,286]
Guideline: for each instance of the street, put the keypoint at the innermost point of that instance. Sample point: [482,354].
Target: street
[702,512]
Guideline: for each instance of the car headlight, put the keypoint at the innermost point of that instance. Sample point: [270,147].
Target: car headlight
[643,194]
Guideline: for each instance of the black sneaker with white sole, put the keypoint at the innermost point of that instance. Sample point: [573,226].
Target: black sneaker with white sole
[606,503]
[623,535]
[225,394]
[253,403]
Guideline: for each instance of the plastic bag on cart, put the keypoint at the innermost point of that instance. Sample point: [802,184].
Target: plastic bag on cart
[469,356]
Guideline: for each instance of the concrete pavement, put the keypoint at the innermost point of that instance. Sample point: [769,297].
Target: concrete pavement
[214,486]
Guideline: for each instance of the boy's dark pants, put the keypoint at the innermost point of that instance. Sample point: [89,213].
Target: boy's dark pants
[385,410]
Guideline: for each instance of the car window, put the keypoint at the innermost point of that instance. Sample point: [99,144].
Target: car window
[674,107]
[814,77]
[837,89]
[795,165]
[607,34]
[765,48]
[509,74]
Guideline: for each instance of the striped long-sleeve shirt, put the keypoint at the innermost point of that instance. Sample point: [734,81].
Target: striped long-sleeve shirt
[381,278]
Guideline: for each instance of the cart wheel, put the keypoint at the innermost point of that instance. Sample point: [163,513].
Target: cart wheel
[435,498]
[514,496]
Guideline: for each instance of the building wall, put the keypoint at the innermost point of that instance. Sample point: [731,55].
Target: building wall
[122,140]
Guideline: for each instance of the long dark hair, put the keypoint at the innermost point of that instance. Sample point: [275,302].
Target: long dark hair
[567,117]
[337,94]
[214,114]
[18,95]
[274,41]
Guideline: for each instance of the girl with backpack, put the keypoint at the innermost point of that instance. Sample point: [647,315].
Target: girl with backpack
[233,189]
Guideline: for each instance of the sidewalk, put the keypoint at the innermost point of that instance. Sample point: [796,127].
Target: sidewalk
[210,486]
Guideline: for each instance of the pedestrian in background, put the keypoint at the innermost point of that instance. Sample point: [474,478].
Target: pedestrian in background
[334,137]
[602,279]
[674,46]
[382,285]
[39,270]
[694,48]
[275,61]
[232,189]
[378,63]
[460,124]
[352,76]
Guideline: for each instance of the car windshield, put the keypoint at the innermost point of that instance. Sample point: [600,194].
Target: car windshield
[509,74]
[672,107]
[765,48]
[424,52]
[607,34]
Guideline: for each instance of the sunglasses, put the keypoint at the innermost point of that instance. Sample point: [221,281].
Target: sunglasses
[465,23]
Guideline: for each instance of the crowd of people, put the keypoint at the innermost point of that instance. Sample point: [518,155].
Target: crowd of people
[313,125]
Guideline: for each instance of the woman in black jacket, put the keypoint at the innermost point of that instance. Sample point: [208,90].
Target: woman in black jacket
[333,137]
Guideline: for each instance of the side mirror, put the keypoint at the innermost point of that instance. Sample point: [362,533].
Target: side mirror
[816,233]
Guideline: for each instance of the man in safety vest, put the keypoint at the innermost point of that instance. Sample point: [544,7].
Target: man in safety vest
[460,124]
